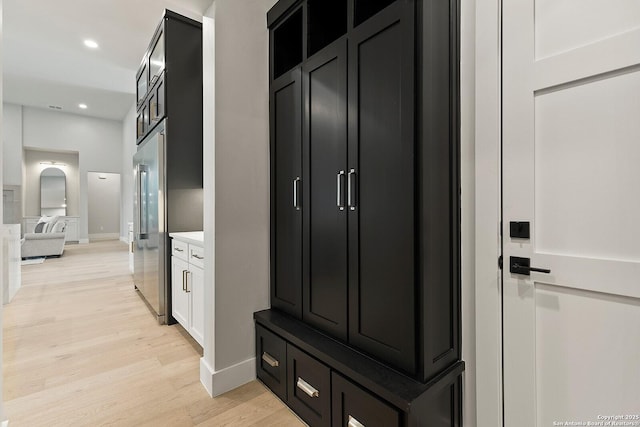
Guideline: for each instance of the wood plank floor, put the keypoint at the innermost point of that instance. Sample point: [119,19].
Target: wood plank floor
[81,348]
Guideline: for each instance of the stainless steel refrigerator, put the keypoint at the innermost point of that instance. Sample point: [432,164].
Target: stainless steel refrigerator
[150,233]
[168,198]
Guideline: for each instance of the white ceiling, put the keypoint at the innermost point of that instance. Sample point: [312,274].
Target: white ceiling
[46,63]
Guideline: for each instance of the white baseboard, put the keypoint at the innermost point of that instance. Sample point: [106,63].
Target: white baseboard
[83,241]
[104,236]
[124,239]
[219,382]
[5,423]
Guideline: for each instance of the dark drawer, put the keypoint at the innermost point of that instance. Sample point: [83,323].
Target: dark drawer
[308,387]
[354,407]
[271,358]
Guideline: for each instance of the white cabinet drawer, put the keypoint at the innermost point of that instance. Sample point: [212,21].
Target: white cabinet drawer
[196,256]
[180,249]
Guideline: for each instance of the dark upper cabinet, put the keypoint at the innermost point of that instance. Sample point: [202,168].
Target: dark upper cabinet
[142,82]
[325,180]
[382,281]
[287,197]
[171,74]
[364,104]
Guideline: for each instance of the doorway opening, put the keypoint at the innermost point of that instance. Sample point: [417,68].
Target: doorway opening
[103,191]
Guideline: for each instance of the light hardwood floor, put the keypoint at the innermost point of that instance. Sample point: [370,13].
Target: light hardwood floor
[81,348]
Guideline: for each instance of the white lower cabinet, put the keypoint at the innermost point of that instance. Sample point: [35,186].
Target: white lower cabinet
[187,288]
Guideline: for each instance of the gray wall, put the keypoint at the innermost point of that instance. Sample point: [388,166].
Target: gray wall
[241,168]
[33,168]
[128,150]
[98,142]
[12,150]
[104,205]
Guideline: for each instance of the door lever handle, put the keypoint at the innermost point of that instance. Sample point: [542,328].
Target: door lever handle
[518,265]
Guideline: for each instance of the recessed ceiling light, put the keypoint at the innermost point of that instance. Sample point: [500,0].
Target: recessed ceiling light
[91,44]
[83,106]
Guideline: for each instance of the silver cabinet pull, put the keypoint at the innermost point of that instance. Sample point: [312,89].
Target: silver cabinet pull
[351,190]
[307,388]
[187,290]
[340,186]
[184,280]
[354,423]
[196,256]
[271,361]
[178,250]
[296,193]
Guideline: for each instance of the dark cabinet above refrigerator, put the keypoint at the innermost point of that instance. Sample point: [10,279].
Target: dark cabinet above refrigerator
[170,73]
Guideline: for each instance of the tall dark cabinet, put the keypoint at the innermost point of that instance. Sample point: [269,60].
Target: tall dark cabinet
[365,214]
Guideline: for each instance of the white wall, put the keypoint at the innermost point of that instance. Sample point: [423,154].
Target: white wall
[128,150]
[12,149]
[104,205]
[98,142]
[2,416]
[467,160]
[241,167]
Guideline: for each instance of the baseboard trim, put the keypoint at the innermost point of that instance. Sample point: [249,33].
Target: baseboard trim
[219,382]
[124,239]
[83,241]
[104,236]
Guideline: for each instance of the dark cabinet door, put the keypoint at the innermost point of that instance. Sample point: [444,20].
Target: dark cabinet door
[271,361]
[286,193]
[352,406]
[308,388]
[382,287]
[325,216]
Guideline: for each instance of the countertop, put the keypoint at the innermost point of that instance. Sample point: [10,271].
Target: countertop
[193,237]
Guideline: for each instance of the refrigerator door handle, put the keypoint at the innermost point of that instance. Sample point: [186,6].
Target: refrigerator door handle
[142,193]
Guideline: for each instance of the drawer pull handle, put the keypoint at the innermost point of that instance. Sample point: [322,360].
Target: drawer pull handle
[354,423]
[196,256]
[307,388]
[178,250]
[270,360]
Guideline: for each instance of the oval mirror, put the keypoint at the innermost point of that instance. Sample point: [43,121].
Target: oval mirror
[53,192]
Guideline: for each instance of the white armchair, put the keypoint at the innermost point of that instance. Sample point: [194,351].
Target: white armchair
[47,240]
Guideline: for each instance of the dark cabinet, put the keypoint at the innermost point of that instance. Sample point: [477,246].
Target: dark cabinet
[271,365]
[354,407]
[365,211]
[171,74]
[325,186]
[308,387]
[382,285]
[287,197]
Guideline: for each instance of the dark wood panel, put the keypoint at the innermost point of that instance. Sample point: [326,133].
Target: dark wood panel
[350,401]
[438,186]
[271,361]
[325,154]
[286,166]
[306,373]
[397,389]
[382,286]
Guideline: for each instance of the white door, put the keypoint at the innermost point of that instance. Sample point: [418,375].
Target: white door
[571,168]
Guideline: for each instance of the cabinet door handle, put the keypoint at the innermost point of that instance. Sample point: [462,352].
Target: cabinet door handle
[187,290]
[339,190]
[184,280]
[354,423]
[271,361]
[307,388]
[296,193]
[351,190]
[196,256]
[178,250]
